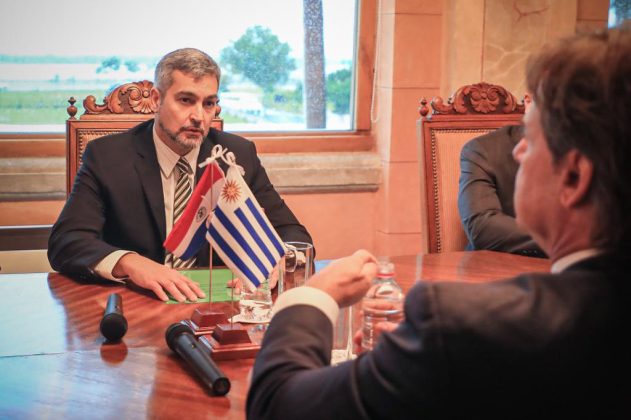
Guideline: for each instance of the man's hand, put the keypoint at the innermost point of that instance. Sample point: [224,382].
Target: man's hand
[346,280]
[380,327]
[159,278]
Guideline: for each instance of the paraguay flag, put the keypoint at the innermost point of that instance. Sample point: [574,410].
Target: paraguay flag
[189,233]
[241,233]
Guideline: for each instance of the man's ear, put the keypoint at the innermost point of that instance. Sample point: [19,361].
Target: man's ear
[155,98]
[577,175]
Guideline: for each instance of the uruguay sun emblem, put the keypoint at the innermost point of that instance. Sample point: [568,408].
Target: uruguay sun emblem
[231,191]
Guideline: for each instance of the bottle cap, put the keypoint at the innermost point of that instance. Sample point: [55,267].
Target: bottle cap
[386,269]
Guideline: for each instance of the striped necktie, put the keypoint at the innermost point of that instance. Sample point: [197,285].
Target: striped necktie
[183,191]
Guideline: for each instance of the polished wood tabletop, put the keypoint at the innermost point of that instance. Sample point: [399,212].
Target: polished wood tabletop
[54,363]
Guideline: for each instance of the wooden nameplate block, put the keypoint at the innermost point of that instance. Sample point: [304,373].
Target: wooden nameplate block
[204,321]
[229,342]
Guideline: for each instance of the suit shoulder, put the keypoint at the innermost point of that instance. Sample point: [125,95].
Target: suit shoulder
[507,135]
[527,298]
[231,141]
[117,140]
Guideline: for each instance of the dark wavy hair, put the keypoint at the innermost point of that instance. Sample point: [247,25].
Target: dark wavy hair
[189,61]
[582,87]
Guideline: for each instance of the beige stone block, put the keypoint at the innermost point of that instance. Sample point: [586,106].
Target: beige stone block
[434,7]
[385,51]
[309,172]
[388,6]
[399,199]
[382,124]
[393,245]
[338,223]
[462,43]
[515,30]
[593,9]
[405,105]
[417,55]
[588,26]
[17,213]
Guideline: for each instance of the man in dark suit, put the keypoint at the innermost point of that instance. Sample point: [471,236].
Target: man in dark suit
[124,199]
[485,196]
[535,346]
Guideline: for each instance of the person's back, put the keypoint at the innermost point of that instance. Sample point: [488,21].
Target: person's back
[537,345]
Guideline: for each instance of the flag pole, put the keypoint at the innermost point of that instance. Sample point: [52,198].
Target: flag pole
[210,247]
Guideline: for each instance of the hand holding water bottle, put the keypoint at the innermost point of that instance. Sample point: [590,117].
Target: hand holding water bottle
[382,306]
[347,279]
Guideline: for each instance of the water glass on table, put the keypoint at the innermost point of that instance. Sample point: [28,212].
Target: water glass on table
[293,269]
[342,337]
[296,265]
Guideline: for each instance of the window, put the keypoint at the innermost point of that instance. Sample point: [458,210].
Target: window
[619,10]
[54,50]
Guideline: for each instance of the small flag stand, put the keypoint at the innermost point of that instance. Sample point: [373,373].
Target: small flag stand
[223,340]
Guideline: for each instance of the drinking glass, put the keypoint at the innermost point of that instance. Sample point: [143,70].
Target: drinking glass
[296,265]
[342,336]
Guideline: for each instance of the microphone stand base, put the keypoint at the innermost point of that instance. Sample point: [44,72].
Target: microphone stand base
[229,342]
[204,321]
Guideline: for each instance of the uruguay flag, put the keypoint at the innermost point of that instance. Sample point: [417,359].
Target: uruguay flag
[241,233]
[189,233]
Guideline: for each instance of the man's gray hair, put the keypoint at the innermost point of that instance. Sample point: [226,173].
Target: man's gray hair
[190,61]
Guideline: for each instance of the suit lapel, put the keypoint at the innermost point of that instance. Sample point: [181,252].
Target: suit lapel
[204,152]
[148,171]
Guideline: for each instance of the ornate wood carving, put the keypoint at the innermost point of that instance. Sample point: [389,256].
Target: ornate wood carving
[480,98]
[130,98]
[72,110]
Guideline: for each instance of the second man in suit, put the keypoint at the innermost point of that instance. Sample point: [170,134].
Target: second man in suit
[485,196]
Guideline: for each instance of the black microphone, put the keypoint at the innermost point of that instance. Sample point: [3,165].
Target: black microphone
[113,325]
[181,340]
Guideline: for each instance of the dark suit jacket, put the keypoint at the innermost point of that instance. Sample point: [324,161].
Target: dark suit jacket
[485,199]
[117,200]
[535,346]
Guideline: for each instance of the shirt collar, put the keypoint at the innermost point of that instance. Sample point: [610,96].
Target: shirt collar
[167,158]
[564,262]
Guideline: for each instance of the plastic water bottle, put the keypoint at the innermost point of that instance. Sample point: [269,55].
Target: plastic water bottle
[382,303]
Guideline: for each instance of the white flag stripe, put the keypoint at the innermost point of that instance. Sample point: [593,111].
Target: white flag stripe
[262,223]
[241,234]
[237,265]
[269,235]
[230,251]
[223,231]
[266,243]
[244,241]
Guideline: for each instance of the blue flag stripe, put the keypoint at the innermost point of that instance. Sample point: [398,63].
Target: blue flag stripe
[238,262]
[241,215]
[263,224]
[196,242]
[243,243]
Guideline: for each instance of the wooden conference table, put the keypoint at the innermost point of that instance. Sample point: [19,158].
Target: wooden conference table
[54,362]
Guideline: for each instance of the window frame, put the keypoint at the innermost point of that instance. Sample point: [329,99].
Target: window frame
[359,139]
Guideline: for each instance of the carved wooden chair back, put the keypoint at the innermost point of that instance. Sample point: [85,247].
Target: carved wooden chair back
[125,107]
[442,131]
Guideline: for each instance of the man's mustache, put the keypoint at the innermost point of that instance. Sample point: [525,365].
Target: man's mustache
[191,128]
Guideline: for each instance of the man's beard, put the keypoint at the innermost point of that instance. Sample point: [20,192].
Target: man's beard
[181,139]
